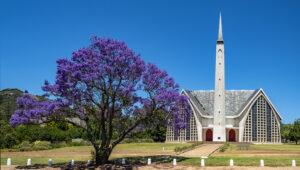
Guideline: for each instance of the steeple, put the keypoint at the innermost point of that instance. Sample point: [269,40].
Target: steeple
[220,36]
[219,130]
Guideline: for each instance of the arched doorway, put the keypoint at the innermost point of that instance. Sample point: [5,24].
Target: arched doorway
[209,135]
[232,135]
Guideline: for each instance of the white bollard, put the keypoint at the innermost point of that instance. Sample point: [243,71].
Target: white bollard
[28,162]
[231,162]
[293,163]
[8,161]
[202,162]
[174,162]
[123,161]
[262,163]
[72,162]
[149,161]
[50,162]
[89,162]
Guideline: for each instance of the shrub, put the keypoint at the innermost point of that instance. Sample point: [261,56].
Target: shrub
[48,133]
[41,145]
[137,140]
[8,135]
[79,142]
[25,146]
[59,144]
[224,147]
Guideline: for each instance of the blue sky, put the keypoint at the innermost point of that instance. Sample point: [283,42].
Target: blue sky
[261,39]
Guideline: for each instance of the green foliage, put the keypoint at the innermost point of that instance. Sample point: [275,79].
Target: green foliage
[137,140]
[34,133]
[41,145]
[59,144]
[79,142]
[8,135]
[285,130]
[295,131]
[224,147]
[158,134]
[25,146]
[183,148]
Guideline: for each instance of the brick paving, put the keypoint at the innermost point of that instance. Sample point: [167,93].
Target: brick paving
[203,150]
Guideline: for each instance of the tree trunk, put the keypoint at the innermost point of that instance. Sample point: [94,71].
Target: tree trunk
[101,156]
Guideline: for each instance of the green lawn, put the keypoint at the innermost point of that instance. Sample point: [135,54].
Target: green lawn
[245,160]
[266,148]
[139,152]
[128,147]
[124,149]
[43,159]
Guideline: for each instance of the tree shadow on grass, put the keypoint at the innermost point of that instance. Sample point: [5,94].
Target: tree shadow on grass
[131,162]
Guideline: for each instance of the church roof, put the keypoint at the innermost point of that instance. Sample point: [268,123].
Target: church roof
[235,101]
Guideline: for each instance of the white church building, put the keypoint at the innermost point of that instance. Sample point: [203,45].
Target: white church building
[228,115]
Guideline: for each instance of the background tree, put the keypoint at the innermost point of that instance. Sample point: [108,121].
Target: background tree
[285,131]
[111,90]
[8,135]
[295,131]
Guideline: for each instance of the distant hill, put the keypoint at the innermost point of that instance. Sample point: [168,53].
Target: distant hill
[8,102]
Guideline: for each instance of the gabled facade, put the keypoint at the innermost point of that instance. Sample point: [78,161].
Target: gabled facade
[229,115]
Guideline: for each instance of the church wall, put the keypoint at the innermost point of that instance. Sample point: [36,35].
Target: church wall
[207,122]
[260,124]
[190,133]
[232,122]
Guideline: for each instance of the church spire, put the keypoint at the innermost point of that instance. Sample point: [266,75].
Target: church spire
[219,130]
[220,36]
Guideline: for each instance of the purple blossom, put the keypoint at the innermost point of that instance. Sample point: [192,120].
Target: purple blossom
[108,78]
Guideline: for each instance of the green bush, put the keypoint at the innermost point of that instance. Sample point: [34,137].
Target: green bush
[41,145]
[48,133]
[59,144]
[79,142]
[8,135]
[137,140]
[25,146]
[224,147]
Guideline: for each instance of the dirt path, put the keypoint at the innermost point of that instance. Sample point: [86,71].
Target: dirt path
[203,150]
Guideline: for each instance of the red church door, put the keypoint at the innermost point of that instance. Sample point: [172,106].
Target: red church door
[232,135]
[209,135]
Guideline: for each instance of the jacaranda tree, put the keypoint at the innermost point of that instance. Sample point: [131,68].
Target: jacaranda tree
[109,89]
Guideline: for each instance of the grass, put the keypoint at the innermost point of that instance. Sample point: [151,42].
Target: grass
[224,147]
[138,153]
[266,148]
[43,159]
[148,147]
[245,160]
[121,150]
[187,147]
